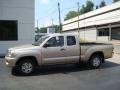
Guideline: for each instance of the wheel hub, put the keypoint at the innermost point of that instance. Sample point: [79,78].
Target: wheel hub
[27,67]
[96,62]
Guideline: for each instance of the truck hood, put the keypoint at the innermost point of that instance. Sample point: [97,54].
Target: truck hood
[21,47]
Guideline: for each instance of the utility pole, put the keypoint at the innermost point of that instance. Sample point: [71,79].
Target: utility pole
[78,5]
[60,25]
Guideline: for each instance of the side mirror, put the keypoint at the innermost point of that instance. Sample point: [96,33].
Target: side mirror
[46,45]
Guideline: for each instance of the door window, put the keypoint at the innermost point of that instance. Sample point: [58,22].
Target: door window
[56,41]
[71,40]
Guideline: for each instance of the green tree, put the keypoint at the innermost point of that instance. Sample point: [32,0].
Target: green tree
[37,30]
[115,1]
[102,4]
[97,6]
[89,6]
[43,30]
[57,28]
[83,9]
[71,14]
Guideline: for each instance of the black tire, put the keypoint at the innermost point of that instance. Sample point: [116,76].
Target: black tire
[95,61]
[26,67]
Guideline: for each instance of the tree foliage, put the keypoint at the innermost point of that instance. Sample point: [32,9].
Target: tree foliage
[102,4]
[44,29]
[57,28]
[115,1]
[83,9]
[71,14]
[97,6]
[89,6]
[36,30]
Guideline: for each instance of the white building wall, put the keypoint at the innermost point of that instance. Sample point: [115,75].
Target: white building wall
[108,14]
[103,38]
[23,12]
[88,34]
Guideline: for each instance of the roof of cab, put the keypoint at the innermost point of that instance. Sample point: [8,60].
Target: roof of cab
[62,34]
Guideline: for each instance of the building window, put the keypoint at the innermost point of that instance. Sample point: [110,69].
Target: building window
[115,33]
[103,32]
[8,30]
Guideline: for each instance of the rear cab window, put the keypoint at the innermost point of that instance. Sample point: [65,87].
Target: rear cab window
[71,40]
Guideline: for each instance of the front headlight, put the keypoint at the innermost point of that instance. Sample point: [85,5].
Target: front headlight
[10,54]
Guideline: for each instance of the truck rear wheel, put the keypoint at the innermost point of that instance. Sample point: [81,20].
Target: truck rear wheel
[26,67]
[95,61]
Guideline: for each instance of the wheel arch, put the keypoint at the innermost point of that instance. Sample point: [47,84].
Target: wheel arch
[98,53]
[32,58]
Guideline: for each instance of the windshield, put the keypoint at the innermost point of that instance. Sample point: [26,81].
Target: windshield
[40,40]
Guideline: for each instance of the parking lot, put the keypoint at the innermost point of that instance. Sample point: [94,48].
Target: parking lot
[65,77]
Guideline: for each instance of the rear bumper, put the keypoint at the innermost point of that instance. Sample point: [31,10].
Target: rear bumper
[10,62]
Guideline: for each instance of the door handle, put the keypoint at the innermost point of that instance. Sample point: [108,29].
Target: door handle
[62,49]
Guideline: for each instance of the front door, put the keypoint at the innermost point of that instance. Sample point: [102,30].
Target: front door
[54,53]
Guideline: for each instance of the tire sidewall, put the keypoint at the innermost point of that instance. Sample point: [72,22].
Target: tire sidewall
[91,61]
[25,61]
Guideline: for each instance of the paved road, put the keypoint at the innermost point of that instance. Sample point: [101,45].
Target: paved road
[117,49]
[65,77]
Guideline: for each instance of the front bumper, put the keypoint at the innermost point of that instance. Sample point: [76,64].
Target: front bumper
[10,62]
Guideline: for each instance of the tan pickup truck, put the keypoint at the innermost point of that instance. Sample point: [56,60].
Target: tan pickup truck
[57,49]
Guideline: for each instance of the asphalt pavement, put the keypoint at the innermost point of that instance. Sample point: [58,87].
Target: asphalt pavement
[64,77]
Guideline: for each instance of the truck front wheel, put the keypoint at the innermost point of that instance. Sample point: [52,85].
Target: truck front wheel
[26,67]
[95,61]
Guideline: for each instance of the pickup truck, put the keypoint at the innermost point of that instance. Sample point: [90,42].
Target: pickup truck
[57,49]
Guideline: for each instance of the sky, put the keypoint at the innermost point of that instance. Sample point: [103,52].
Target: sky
[46,11]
